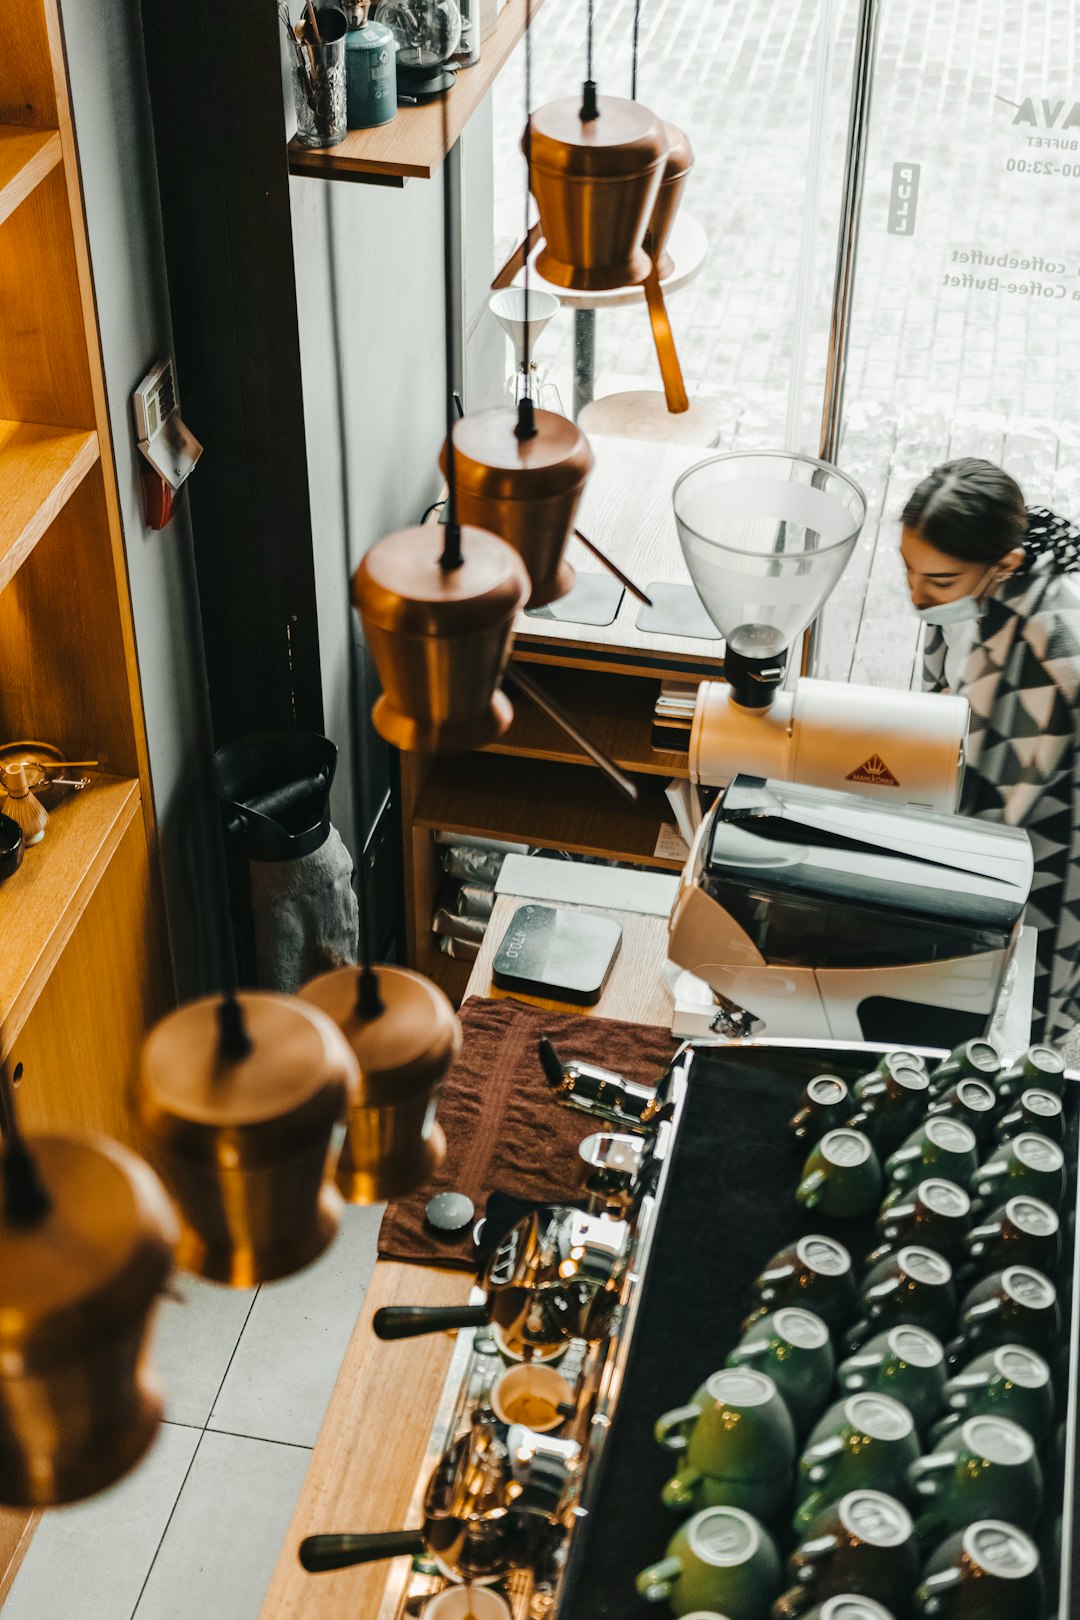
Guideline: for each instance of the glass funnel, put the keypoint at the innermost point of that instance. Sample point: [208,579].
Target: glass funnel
[766,536]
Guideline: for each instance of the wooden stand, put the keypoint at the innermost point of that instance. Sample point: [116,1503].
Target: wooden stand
[82,969]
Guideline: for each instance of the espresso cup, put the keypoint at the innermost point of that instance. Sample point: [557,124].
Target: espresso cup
[815,1272]
[898,1057]
[907,1363]
[1016,1306]
[824,1105]
[936,1215]
[847,1606]
[736,1432]
[1041,1066]
[860,1546]
[794,1348]
[972,1101]
[1029,1163]
[721,1559]
[913,1287]
[974,1060]
[890,1105]
[942,1147]
[1011,1381]
[531,1395]
[842,1176]
[866,1441]
[988,1571]
[1024,1232]
[985,1469]
[1038,1110]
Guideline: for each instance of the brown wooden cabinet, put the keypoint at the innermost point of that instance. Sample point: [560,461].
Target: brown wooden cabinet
[83,961]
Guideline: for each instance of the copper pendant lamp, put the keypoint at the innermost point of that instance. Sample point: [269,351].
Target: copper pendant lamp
[87,1235]
[440,636]
[525,485]
[405,1037]
[237,1099]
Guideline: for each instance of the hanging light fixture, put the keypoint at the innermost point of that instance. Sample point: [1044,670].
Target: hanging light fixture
[237,1098]
[519,471]
[677,166]
[86,1246]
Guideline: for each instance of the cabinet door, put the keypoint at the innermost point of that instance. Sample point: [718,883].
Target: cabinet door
[80,1046]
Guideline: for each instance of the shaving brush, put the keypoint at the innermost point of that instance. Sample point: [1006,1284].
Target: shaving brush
[22,805]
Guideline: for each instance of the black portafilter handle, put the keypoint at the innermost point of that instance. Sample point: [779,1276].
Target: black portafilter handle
[410,1321]
[320,1553]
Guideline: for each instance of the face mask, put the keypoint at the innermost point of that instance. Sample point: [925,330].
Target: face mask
[962,610]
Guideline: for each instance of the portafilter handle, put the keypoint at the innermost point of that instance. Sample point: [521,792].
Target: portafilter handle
[321,1553]
[411,1321]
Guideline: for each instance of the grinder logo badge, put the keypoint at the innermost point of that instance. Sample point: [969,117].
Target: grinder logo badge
[874,770]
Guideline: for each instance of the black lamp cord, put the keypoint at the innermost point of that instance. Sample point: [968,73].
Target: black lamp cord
[369,1003]
[590,107]
[526,423]
[451,555]
[26,1202]
[633,65]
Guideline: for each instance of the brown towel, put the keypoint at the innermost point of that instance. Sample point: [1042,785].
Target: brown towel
[504,1130]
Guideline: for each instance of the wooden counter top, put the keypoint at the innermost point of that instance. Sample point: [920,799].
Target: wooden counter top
[375,1434]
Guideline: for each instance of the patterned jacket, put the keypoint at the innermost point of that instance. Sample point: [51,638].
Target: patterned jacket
[1022,680]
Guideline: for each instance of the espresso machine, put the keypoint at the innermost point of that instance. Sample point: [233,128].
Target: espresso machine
[831,892]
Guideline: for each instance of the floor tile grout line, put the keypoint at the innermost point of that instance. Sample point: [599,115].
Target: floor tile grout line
[201,1430]
[263,1439]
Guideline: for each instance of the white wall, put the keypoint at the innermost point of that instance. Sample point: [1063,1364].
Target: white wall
[116,150]
[376,254]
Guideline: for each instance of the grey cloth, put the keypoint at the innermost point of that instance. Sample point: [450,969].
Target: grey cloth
[305,915]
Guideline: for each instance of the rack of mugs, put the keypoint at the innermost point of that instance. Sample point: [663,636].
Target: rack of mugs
[897,1420]
[534,1381]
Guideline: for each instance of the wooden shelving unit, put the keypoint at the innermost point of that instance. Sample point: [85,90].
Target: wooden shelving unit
[615,710]
[413,145]
[83,968]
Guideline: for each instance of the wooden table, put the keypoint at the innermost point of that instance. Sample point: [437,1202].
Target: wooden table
[364,1468]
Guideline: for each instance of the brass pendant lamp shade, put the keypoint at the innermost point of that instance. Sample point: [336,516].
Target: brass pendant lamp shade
[440,636]
[241,1133]
[525,489]
[393,1143]
[78,1284]
[595,181]
[677,166]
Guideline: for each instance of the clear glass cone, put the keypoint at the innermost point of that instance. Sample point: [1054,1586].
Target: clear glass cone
[766,536]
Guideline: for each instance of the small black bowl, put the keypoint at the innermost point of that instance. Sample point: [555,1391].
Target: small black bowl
[11,847]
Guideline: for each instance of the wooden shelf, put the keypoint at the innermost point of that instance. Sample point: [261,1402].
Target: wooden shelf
[413,145]
[615,711]
[26,156]
[40,469]
[536,802]
[42,902]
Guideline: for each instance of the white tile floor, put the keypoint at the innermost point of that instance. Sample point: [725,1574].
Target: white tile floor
[196,1528]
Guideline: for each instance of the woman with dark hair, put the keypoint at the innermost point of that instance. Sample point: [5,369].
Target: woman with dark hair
[996,585]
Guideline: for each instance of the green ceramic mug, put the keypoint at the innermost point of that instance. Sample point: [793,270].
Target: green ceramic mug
[935,1215]
[987,1468]
[720,1559]
[988,1571]
[975,1060]
[905,1362]
[941,1147]
[1024,1232]
[973,1101]
[890,1105]
[1016,1306]
[735,1430]
[815,1272]
[1029,1163]
[1038,1110]
[824,1105]
[863,1546]
[865,1440]
[848,1607]
[1041,1066]
[841,1177]
[914,1286]
[794,1348]
[1011,1381]
[898,1057]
